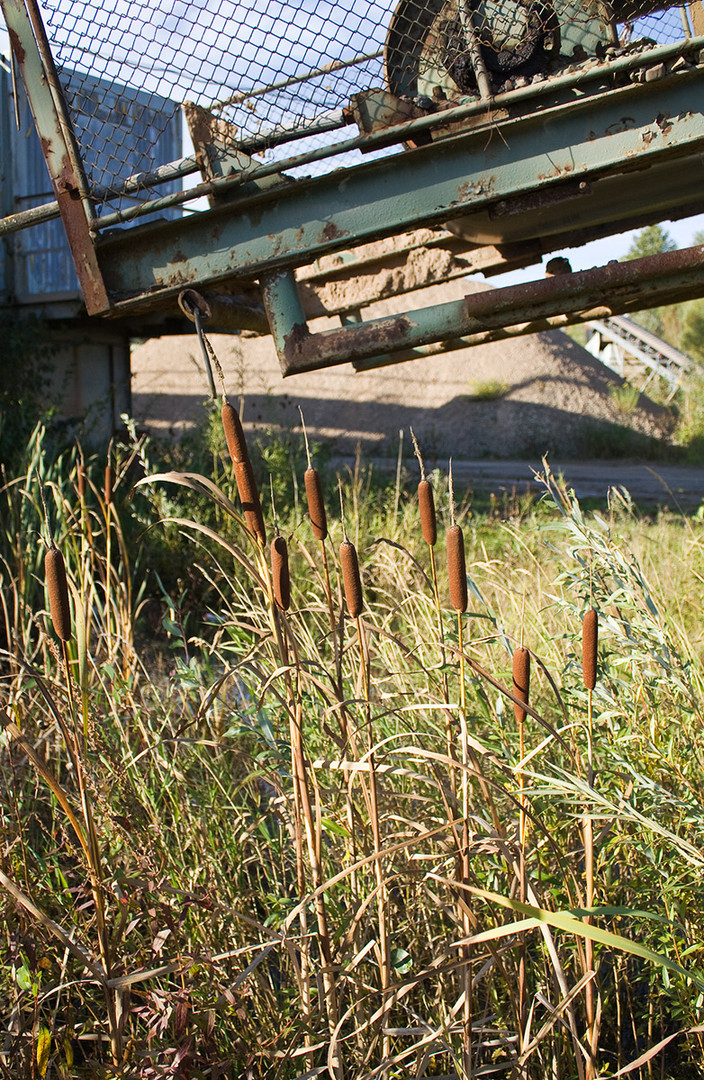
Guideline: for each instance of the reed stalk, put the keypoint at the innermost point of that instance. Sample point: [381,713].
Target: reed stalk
[521,690]
[590,633]
[457,579]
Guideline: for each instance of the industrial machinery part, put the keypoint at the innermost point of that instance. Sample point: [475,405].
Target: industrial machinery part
[340,150]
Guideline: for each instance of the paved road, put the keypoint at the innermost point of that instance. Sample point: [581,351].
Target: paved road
[647,482]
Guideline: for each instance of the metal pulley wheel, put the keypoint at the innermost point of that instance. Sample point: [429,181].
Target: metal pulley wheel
[436,49]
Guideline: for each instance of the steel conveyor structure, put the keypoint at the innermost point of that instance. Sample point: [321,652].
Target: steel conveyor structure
[330,138]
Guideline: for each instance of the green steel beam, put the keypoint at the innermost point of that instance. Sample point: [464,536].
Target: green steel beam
[34,62]
[581,142]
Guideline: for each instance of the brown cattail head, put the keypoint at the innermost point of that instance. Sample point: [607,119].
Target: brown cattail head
[590,640]
[456,569]
[521,680]
[426,508]
[109,483]
[351,579]
[244,474]
[234,434]
[57,588]
[81,480]
[316,506]
[279,573]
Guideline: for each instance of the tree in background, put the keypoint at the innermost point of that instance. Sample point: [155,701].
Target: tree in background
[664,321]
[692,336]
[653,240]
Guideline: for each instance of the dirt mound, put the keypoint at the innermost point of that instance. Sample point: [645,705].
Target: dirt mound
[520,397]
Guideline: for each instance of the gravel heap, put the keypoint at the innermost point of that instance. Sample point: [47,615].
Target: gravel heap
[516,398]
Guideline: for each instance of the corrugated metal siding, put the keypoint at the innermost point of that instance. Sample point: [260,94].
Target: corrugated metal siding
[37,261]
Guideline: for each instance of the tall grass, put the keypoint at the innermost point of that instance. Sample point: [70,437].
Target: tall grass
[327,829]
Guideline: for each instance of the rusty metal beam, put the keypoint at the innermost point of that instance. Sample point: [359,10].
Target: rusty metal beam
[33,59]
[519,309]
[589,139]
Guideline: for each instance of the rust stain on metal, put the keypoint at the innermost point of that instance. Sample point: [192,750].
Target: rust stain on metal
[17,46]
[339,346]
[293,341]
[331,232]
[626,123]
[623,278]
[664,123]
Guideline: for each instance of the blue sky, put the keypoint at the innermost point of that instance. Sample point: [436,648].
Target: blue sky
[599,252]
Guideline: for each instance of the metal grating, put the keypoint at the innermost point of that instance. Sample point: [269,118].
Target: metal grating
[274,72]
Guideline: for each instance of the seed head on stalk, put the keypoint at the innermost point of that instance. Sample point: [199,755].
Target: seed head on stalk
[456,565]
[426,501]
[349,562]
[57,588]
[244,473]
[314,492]
[521,680]
[590,640]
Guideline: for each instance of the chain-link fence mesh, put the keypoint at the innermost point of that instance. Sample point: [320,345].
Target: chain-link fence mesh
[274,72]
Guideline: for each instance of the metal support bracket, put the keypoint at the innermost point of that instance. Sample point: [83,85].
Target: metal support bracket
[489,315]
[35,64]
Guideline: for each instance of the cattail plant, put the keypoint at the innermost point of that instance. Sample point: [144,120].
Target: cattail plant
[351,579]
[590,639]
[456,569]
[81,480]
[316,503]
[244,473]
[109,484]
[352,584]
[280,577]
[457,578]
[57,589]
[521,691]
[426,510]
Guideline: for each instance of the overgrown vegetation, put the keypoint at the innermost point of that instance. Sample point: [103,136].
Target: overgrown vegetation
[340,835]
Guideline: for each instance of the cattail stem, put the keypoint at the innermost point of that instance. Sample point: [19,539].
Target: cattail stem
[464,857]
[303,807]
[384,960]
[590,635]
[521,690]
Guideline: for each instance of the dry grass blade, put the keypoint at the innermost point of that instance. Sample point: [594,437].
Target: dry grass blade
[66,940]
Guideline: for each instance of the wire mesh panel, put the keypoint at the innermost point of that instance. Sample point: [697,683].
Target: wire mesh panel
[264,73]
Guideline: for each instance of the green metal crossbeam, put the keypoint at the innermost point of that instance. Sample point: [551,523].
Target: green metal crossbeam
[561,157]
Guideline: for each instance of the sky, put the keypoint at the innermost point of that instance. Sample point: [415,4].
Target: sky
[599,252]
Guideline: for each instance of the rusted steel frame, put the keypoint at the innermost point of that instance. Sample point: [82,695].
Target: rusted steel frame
[222,312]
[141,181]
[294,80]
[24,219]
[406,132]
[617,287]
[292,225]
[64,121]
[68,181]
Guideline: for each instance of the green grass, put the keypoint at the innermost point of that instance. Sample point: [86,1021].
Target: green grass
[208,835]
